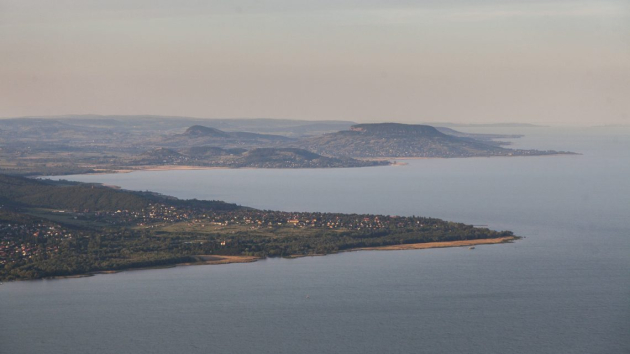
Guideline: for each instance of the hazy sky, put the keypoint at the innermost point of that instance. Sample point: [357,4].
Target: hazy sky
[549,62]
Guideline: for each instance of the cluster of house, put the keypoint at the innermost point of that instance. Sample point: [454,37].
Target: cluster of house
[268,219]
[157,214]
[19,241]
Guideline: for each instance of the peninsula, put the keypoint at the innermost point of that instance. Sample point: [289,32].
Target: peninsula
[59,228]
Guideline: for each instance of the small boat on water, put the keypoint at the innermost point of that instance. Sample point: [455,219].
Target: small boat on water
[471,247]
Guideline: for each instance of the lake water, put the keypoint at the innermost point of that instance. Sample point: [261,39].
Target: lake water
[565,288]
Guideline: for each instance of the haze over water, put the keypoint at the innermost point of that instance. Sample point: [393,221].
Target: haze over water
[565,288]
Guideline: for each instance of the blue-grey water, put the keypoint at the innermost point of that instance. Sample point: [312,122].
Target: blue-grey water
[565,288]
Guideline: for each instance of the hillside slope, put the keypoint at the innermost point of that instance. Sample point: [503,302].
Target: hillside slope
[20,191]
[197,135]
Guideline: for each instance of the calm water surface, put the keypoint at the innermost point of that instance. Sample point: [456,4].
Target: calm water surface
[565,288]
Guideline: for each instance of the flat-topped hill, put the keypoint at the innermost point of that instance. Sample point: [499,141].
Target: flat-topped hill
[396,130]
[200,130]
[404,140]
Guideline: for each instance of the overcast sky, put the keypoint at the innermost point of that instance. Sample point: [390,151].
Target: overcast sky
[531,61]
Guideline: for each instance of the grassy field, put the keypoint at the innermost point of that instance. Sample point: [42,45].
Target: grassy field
[66,218]
[208,228]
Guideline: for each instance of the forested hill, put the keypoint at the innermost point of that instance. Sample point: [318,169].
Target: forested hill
[199,135]
[20,191]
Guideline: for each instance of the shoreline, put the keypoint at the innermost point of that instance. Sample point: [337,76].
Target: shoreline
[439,244]
[192,167]
[200,260]
[215,259]
[393,163]
[162,168]
[177,167]
[220,259]
[470,157]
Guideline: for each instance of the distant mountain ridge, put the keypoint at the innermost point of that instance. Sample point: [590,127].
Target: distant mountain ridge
[171,124]
[85,144]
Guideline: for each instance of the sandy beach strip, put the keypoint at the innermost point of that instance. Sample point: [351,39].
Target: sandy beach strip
[424,245]
[217,259]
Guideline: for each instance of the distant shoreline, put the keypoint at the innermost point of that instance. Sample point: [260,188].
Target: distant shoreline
[192,167]
[158,168]
[467,157]
[393,161]
[200,260]
[221,259]
[440,244]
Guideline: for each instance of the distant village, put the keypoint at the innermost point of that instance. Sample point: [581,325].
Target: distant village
[16,240]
